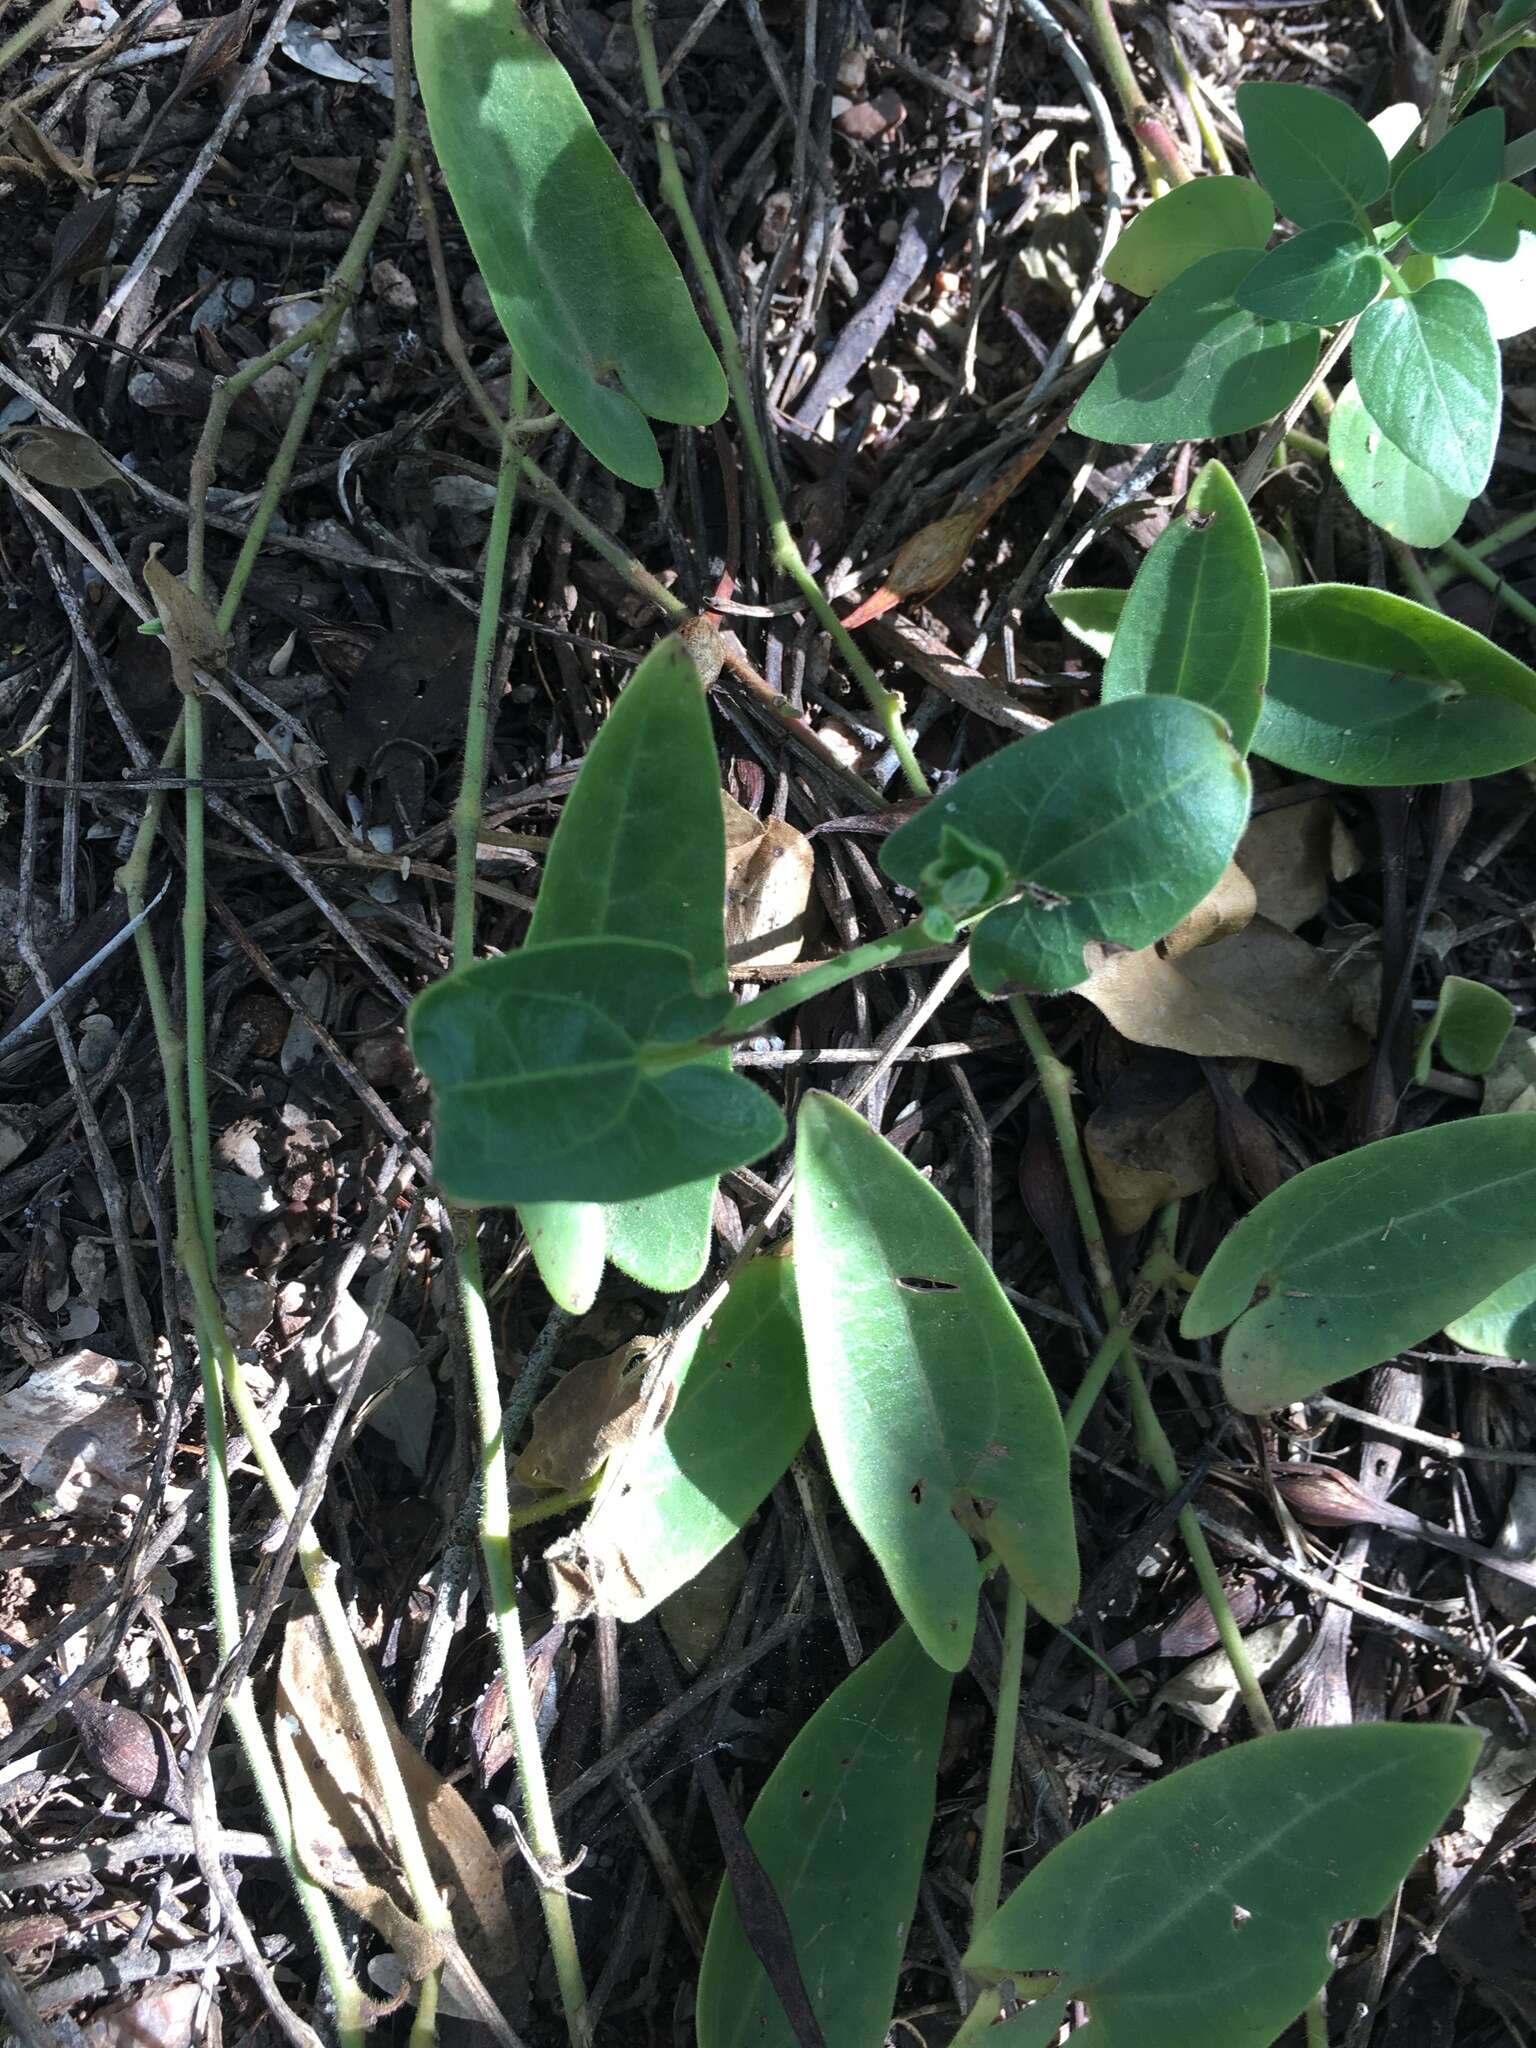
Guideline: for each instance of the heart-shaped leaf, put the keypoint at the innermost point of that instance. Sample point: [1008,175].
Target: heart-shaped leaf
[577,270]
[560,1075]
[1443,197]
[1468,1028]
[1315,156]
[1203,218]
[1357,1258]
[1196,1913]
[1327,273]
[1499,263]
[1195,365]
[1368,688]
[639,853]
[840,1830]
[1196,622]
[741,1411]
[1111,826]
[904,1320]
[1381,482]
[1428,371]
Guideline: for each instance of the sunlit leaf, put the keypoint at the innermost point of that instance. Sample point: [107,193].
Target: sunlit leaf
[1443,197]
[1499,263]
[740,1413]
[1196,622]
[1203,218]
[558,1076]
[1368,688]
[1196,1913]
[1112,826]
[1195,365]
[639,853]
[1428,371]
[840,1829]
[1355,1259]
[928,1396]
[1468,1028]
[1504,1325]
[580,277]
[1315,156]
[1381,482]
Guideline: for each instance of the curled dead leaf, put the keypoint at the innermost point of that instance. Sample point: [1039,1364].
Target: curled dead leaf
[581,1421]
[1262,994]
[78,1435]
[1291,853]
[1153,1140]
[769,868]
[343,1839]
[1226,910]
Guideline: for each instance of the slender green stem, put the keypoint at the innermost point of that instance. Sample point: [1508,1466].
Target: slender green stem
[1161,156]
[194,924]
[1056,1087]
[787,557]
[501,1597]
[1506,531]
[1474,566]
[46,19]
[748,1018]
[994,1825]
[495,1512]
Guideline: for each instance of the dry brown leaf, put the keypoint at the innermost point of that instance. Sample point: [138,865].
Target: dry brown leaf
[192,633]
[343,1838]
[1226,910]
[1263,994]
[1152,1141]
[78,1435]
[580,1422]
[162,2017]
[38,152]
[1290,855]
[54,455]
[768,888]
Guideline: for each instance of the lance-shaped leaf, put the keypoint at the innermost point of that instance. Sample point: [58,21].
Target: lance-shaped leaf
[1196,365]
[1381,482]
[560,1075]
[1203,218]
[741,1411]
[1443,197]
[1316,157]
[1357,1258]
[581,279]
[1112,826]
[1468,1028]
[1196,622]
[1368,688]
[639,853]
[1428,371]
[840,1829]
[928,1396]
[1196,1913]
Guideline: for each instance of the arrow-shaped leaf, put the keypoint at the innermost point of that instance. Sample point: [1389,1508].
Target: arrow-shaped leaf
[1356,1258]
[1196,1913]
[559,1076]
[928,1396]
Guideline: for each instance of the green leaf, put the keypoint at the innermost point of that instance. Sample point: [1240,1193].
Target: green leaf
[1369,688]
[1443,197]
[840,1829]
[1113,825]
[1381,482]
[1327,273]
[1196,622]
[741,1411]
[639,853]
[1468,1028]
[1195,365]
[1357,1258]
[1499,264]
[1503,1326]
[577,270]
[929,1398]
[1202,218]
[1316,157]
[1196,1913]
[1428,371]
[560,1075]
